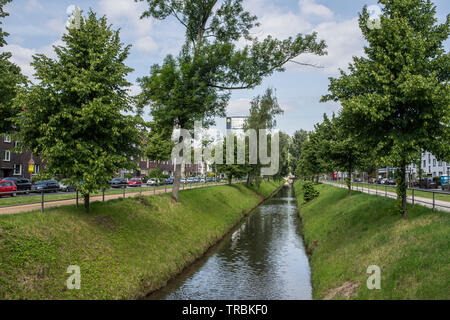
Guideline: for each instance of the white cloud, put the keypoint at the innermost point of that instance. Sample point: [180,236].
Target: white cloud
[22,57]
[238,107]
[128,11]
[309,7]
[146,44]
[344,40]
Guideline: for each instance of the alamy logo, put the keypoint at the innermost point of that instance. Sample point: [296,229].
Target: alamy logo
[74,20]
[374,21]
[214,152]
[74,281]
[374,281]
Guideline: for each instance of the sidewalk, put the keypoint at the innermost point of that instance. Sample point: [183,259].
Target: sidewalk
[440,205]
[60,203]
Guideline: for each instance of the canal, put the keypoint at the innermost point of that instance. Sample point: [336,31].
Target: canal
[263,259]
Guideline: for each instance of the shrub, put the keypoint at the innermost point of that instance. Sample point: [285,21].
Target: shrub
[309,192]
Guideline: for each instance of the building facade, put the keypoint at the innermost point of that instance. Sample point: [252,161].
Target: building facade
[431,167]
[16,164]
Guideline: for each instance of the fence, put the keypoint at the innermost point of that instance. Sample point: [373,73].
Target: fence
[414,195]
[45,196]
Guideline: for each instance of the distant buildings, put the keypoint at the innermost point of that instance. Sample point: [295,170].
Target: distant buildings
[16,164]
[431,166]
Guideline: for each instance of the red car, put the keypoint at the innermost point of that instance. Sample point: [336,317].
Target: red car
[8,188]
[135,182]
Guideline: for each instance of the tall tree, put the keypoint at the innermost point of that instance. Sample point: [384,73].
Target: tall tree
[263,112]
[74,117]
[397,98]
[298,141]
[196,84]
[10,80]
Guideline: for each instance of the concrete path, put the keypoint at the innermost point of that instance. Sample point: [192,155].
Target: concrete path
[440,205]
[60,203]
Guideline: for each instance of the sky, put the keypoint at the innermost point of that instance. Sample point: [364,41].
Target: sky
[35,26]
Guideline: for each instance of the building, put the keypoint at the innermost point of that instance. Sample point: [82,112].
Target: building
[431,167]
[236,123]
[16,164]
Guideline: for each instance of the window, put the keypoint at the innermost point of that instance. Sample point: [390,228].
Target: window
[429,157]
[440,164]
[7,139]
[36,169]
[16,143]
[17,169]
[434,162]
[6,155]
[424,163]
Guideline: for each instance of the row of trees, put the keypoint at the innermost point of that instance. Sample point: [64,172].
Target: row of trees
[395,99]
[78,114]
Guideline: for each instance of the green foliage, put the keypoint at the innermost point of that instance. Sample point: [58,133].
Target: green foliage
[350,234]
[298,141]
[74,116]
[10,81]
[396,100]
[196,84]
[309,191]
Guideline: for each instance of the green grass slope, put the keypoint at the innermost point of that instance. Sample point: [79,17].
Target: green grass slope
[125,248]
[347,234]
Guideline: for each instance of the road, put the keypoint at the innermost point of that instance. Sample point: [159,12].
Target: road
[59,203]
[440,205]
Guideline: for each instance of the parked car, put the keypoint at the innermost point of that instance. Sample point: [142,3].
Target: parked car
[191,180]
[8,188]
[135,182]
[118,182]
[209,179]
[22,184]
[390,182]
[357,180]
[427,183]
[183,180]
[65,186]
[45,186]
[169,181]
[152,182]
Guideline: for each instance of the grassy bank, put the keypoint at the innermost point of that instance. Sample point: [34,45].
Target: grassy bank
[125,248]
[346,235]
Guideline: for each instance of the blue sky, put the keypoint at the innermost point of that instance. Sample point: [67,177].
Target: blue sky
[36,25]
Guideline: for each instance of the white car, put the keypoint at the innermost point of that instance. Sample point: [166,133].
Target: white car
[151,182]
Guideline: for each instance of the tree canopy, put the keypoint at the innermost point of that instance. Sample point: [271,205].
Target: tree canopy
[74,116]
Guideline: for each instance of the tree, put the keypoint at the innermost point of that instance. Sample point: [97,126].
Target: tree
[263,112]
[285,141]
[159,144]
[74,117]
[396,99]
[196,84]
[344,151]
[298,141]
[10,81]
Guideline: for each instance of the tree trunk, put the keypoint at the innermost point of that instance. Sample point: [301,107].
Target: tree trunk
[86,203]
[349,182]
[248,180]
[230,179]
[177,180]
[401,190]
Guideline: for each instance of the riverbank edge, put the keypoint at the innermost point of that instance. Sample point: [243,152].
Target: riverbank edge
[335,275]
[219,241]
[30,252]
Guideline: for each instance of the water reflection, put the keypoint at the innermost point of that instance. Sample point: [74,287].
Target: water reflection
[263,259]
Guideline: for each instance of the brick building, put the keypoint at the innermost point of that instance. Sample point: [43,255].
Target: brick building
[15,164]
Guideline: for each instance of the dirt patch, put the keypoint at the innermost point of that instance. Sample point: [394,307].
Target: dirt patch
[144,201]
[347,290]
[105,221]
[312,247]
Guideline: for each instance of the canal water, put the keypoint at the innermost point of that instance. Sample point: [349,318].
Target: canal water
[263,259]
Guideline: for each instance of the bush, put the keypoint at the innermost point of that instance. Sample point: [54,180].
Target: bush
[309,192]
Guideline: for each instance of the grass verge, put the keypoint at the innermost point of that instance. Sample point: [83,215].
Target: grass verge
[125,248]
[345,236]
